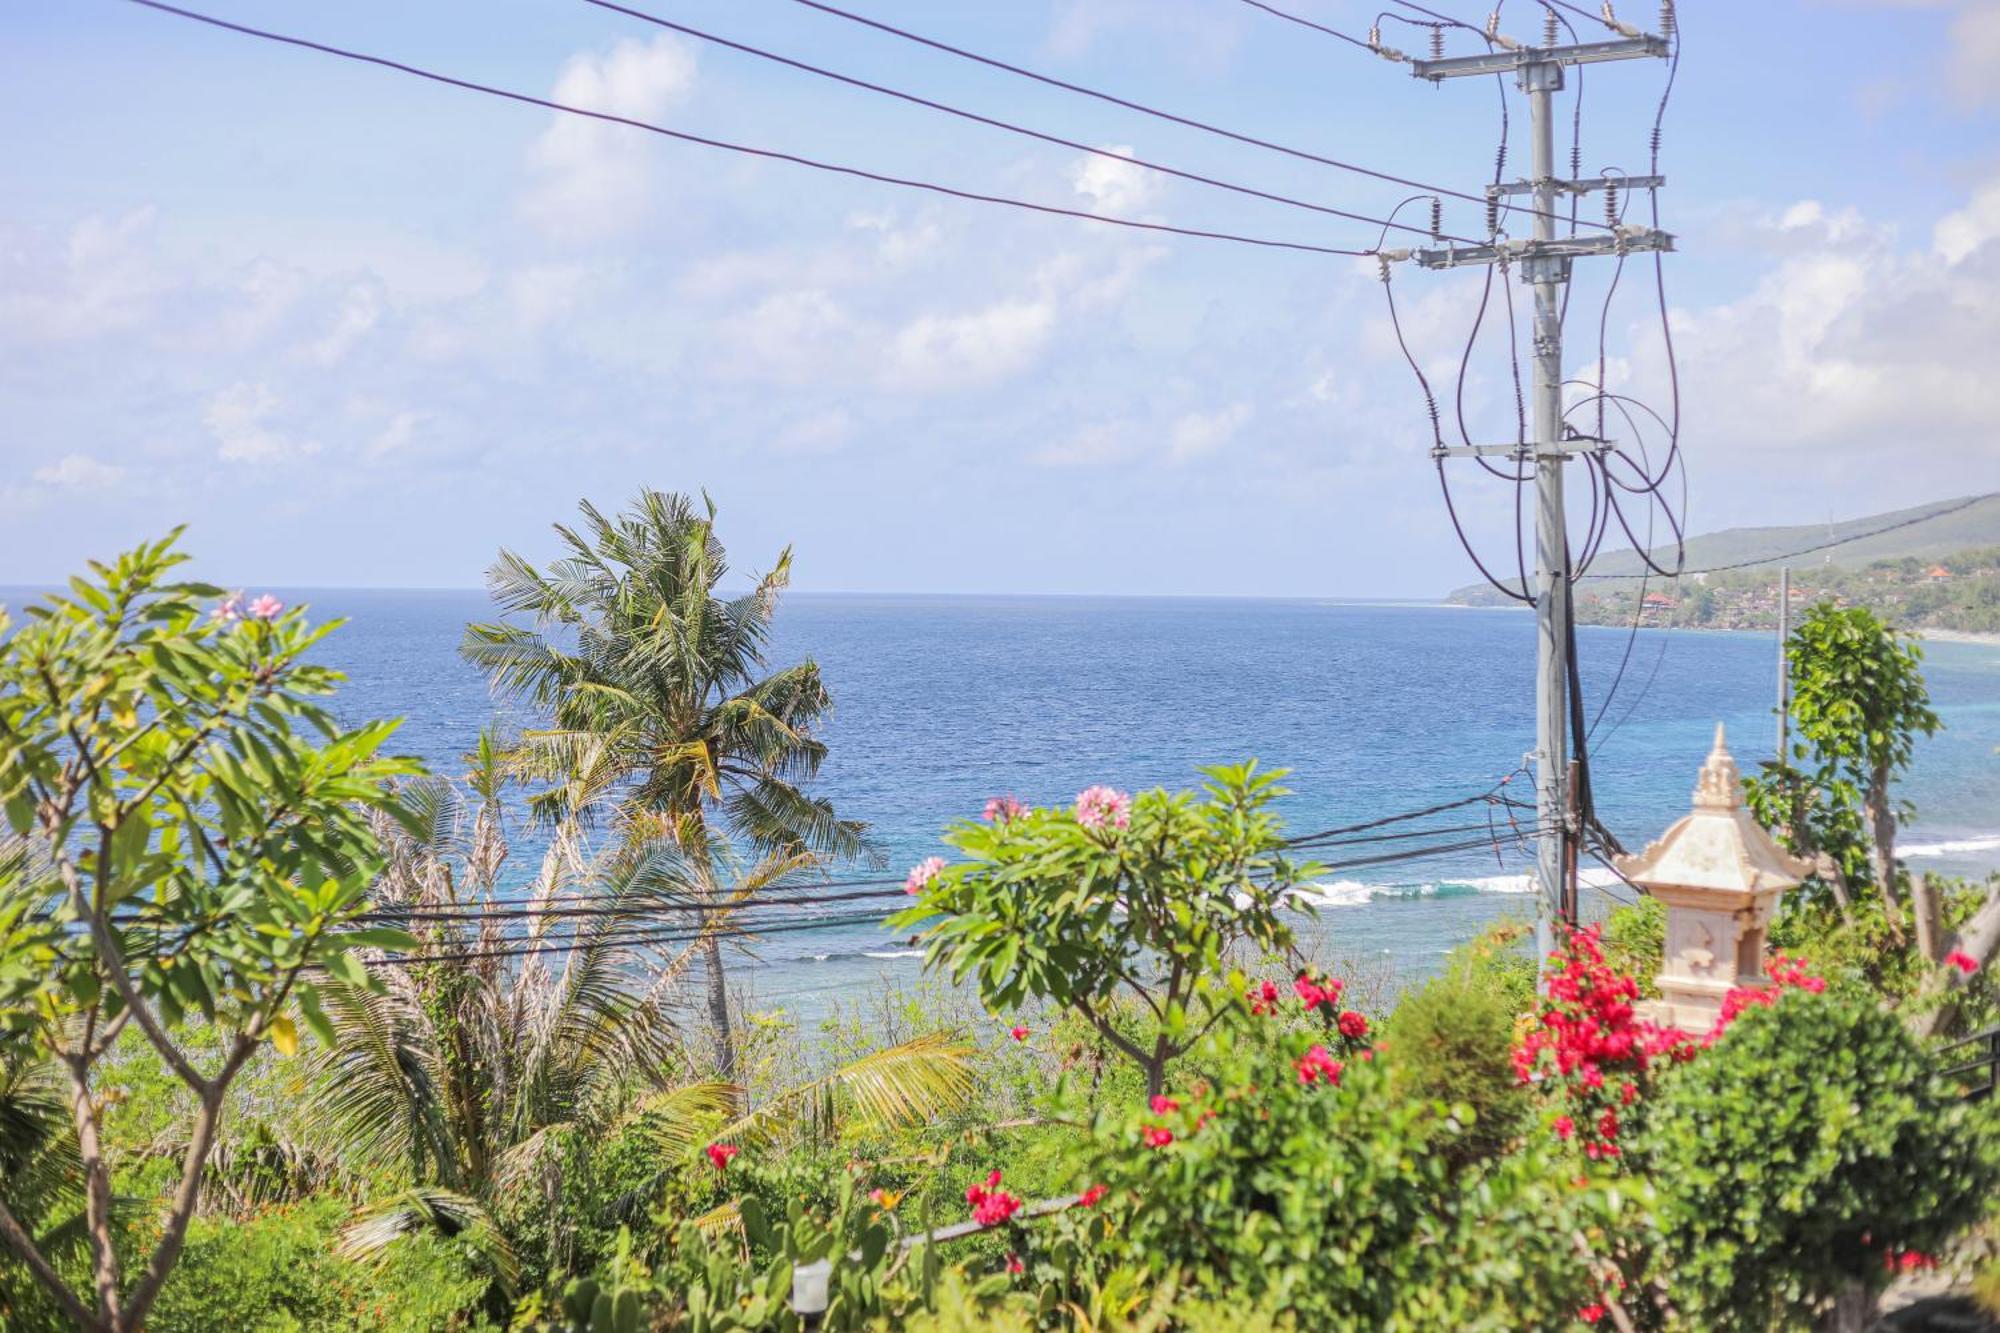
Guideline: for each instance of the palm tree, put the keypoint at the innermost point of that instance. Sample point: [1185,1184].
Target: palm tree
[476,1072]
[660,687]
[41,1180]
[477,1052]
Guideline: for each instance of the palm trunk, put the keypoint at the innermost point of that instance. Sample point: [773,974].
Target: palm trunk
[718,1011]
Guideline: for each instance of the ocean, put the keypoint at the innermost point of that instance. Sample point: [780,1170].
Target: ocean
[942,702]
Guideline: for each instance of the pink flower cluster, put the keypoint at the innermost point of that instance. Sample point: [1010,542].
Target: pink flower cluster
[1001,809]
[1102,807]
[1317,1064]
[720,1154]
[922,873]
[991,1205]
[1590,1028]
[1963,961]
[1314,992]
[1091,1197]
[233,608]
[1785,973]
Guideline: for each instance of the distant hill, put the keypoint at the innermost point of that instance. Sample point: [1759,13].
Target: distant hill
[1976,524]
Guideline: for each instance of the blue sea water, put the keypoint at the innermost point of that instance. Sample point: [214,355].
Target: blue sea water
[942,702]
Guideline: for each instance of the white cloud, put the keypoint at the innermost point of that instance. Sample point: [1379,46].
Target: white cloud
[1200,433]
[1091,446]
[1852,350]
[591,178]
[360,308]
[821,433]
[934,352]
[1975,52]
[1961,233]
[397,435]
[238,418]
[1113,187]
[102,279]
[79,472]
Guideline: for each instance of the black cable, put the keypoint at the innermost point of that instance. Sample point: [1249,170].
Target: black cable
[1012,128]
[765,153]
[1827,545]
[490,909]
[1113,99]
[1308,23]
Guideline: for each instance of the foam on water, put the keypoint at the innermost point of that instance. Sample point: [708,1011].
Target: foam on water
[1953,847]
[1357,893]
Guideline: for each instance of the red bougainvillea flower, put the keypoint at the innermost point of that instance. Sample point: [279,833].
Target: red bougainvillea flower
[1316,991]
[1156,1136]
[1564,1127]
[1014,1264]
[1091,1197]
[719,1155]
[1102,807]
[1316,1064]
[991,1205]
[1265,998]
[922,873]
[1163,1104]
[1591,1314]
[1607,1125]
[1353,1025]
[1000,809]
[1962,960]
[1907,1261]
[1018,1033]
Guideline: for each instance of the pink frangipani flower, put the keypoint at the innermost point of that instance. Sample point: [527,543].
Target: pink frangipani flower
[922,873]
[265,607]
[1102,807]
[229,610]
[1000,809]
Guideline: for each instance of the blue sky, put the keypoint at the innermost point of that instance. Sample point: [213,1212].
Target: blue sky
[356,329]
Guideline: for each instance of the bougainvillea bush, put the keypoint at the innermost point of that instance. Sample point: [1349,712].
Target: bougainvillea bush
[1291,1174]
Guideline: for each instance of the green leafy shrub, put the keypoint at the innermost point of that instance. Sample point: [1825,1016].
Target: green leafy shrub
[1451,1039]
[1303,1182]
[1634,939]
[1809,1149]
[279,1271]
[1119,898]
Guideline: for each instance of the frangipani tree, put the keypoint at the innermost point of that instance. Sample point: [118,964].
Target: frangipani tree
[1120,898]
[189,838]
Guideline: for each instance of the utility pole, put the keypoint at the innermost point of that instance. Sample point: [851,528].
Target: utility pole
[1784,660]
[1544,264]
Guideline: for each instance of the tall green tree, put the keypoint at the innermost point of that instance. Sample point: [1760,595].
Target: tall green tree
[1859,705]
[187,839]
[660,685]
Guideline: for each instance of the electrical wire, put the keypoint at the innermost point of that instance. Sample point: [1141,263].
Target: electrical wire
[1898,526]
[1275,12]
[769,154]
[1113,99]
[1012,128]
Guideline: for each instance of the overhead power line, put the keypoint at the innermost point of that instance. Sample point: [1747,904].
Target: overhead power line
[770,154]
[1012,128]
[1275,12]
[1827,545]
[1128,104]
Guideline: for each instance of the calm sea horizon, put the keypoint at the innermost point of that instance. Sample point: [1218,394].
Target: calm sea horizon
[1374,707]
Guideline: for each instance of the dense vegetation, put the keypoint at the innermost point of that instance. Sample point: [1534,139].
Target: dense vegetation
[289,1045]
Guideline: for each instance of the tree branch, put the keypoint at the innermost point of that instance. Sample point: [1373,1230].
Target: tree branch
[23,1245]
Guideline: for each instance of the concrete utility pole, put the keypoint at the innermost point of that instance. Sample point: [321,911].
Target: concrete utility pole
[1784,660]
[1544,264]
